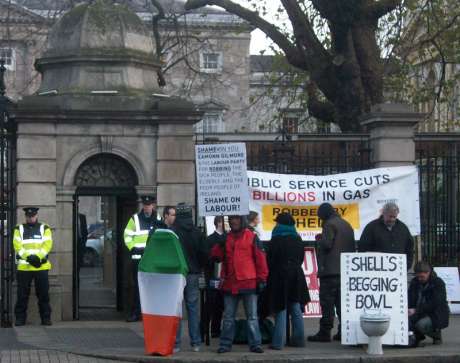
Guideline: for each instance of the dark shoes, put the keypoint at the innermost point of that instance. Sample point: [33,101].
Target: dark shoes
[257,350]
[132,318]
[321,336]
[20,322]
[437,338]
[223,350]
[337,337]
[47,322]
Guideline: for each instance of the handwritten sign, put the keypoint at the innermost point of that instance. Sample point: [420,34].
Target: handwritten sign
[451,278]
[310,268]
[222,179]
[374,282]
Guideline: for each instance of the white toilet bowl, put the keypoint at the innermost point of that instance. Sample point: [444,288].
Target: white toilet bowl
[374,325]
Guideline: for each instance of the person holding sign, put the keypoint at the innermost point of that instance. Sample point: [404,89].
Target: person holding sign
[287,287]
[337,236]
[428,308]
[387,234]
[244,273]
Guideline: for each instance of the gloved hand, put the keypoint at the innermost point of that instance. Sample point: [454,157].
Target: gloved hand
[34,260]
[318,237]
[261,286]
[137,251]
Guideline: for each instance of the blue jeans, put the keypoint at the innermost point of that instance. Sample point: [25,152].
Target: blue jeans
[279,333]
[192,304]
[228,325]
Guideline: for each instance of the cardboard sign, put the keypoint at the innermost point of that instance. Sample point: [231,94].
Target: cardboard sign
[358,197]
[451,278]
[374,282]
[222,179]
[310,268]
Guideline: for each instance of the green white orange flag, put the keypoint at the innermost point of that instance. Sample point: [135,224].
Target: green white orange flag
[161,276]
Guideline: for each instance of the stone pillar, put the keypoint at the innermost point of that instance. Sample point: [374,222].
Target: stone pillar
[175,164]
[36,186]
[391,129]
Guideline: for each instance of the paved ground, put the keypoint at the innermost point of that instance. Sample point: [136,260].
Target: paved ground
[105,341]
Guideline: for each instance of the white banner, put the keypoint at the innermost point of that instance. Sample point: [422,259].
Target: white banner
[451,278]
[221,179]
[358,197]
[371,283]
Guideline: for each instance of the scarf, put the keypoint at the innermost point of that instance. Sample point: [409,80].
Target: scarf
[284,230]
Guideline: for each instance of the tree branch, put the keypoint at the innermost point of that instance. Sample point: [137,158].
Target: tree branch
[322,110]
[291,52]
[380,8]
[156,34]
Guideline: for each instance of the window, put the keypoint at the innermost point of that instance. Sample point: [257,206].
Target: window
[291,124]
[9,56]
[211,123]
[211,62]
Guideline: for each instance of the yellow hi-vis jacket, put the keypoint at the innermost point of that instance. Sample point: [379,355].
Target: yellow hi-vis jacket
[32,240]
[134,236]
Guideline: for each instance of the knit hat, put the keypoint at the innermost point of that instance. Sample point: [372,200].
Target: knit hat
[325,211]
[285,218]
[183,211]
[422,266]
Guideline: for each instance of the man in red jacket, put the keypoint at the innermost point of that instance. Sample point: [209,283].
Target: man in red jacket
[244,274]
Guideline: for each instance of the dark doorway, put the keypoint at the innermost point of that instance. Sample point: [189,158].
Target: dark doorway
[104,201]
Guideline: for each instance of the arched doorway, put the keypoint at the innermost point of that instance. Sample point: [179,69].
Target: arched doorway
[104,200]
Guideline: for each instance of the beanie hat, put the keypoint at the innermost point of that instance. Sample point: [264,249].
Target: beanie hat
[285,218]
[183,211]
[422,266]
[325,211]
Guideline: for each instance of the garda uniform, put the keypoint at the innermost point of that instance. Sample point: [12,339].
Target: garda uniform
[32,244]
[135,235]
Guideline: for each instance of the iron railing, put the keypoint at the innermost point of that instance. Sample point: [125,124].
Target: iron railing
[7,202]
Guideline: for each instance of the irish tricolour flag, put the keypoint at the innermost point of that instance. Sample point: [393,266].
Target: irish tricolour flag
[162,272]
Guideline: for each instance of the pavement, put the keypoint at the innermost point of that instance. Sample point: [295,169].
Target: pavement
[110,341]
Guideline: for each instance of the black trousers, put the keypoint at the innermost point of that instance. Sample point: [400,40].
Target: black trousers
[136,302]
[214,309]
[41,283]
[329,298]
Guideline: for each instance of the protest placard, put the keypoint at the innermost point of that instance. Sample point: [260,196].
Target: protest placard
[222,179]
[310,268]
[358,197]
[451,278]
[374,282]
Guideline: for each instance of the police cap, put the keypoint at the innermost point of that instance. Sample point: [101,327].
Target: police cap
[30,211]
[148,199]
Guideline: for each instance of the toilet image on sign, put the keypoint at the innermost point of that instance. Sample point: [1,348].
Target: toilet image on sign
[374,324]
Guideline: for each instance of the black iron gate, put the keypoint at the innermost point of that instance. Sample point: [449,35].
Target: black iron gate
[438,159]
[7,201]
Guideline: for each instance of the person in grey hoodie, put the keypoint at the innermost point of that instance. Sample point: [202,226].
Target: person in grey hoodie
[337,236]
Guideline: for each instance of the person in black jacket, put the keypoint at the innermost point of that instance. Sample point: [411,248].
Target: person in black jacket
[428,309]
[214,297]
[193,245]
[337,236]
[287,287]
[388,234]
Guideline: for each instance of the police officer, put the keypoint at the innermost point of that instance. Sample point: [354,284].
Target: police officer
[136,235]
[32,243]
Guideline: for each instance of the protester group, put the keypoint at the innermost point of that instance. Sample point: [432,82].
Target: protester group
[267,277]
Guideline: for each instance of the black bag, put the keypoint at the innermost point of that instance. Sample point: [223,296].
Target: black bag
[266,327]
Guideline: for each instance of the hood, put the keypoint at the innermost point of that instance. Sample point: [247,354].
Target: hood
[184,223]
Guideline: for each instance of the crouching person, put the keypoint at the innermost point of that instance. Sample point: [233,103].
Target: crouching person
[428,309]
[244,271]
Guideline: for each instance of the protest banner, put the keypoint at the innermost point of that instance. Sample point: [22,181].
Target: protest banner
[221,179]
[358,197]
[310,268]
[452,280]
[374,282]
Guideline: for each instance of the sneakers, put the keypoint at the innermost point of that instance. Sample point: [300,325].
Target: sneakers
[196,348]
[257,350]
[176,350]
[222,350]
[321,336]
[47,322]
